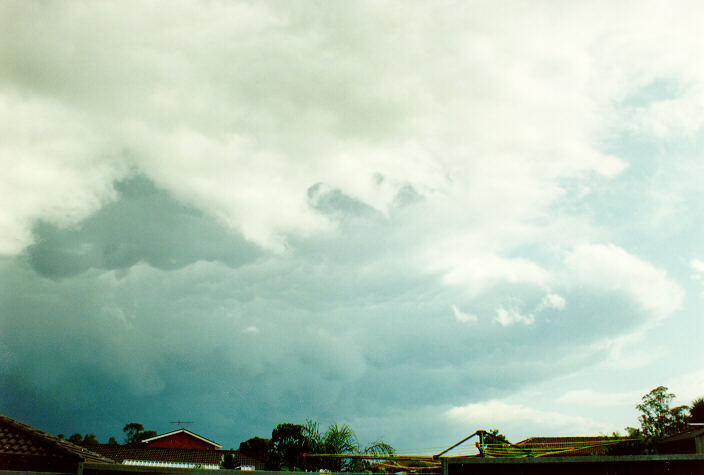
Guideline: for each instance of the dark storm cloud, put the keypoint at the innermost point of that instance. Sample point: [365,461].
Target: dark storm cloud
[328,330]
[143,224]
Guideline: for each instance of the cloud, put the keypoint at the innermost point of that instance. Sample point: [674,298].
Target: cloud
[552,301]
[612,268]
[697,265]
[143,224]
[463,317]
[496,413]
[589,397]
[513,316]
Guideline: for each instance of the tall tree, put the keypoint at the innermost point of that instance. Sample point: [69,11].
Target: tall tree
[657,419]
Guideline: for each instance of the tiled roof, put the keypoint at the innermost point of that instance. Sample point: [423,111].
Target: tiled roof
[18,439]
[567,445]
[120,453]
[182,431]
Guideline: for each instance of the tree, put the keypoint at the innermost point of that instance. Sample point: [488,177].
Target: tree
[340,439]
[657,419]
[134,433]
[496,437]
[255,447]
[696,411]
[288,443]
[112,441]
[76,438]
[228,461]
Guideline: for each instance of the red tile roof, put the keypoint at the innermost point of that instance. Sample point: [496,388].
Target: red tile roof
[567,446]
[182,431]
[120,453]
[23,443]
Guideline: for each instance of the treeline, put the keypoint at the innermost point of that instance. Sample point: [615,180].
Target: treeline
[658,420]
[134,432]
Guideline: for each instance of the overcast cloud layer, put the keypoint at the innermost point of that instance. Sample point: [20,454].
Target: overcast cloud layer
[420,219]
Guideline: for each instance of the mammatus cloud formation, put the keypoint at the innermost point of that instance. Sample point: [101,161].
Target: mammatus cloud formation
[381,213]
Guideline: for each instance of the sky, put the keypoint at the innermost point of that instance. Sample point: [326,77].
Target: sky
[416,218]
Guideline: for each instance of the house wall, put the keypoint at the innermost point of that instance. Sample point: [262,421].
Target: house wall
[699,445]
[180,441]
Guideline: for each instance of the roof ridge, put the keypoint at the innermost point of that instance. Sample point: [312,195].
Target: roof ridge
[197,436]
[47,439]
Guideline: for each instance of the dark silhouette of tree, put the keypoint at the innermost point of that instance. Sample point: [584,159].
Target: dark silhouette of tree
[288,444]
[113,441]
[228,461]
[88,439]
[696,411]
[496,437]
[134,433]
[255,447]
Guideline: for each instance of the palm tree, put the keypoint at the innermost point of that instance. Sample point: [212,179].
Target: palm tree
[340,439]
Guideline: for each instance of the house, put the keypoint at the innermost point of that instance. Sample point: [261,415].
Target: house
[176,449]
[181,439]
[568,446]
[149,456]
[552,446]
[24,448]
[691,441]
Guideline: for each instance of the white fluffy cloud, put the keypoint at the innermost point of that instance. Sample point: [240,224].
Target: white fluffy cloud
[612,269]
[496,413]
[589,397]
[463,317]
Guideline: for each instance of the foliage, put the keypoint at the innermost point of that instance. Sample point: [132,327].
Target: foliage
[134,433]
[113,441]
[255,447]
[696,411]
[289,441]
[88,439]
[228,461]
[657,419]
[496,437]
